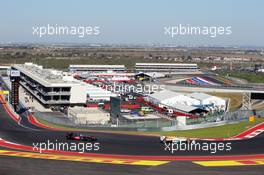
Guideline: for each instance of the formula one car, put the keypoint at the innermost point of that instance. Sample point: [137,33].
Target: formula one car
[80,137]
[167,139]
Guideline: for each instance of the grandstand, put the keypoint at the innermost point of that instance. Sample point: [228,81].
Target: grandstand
[96,68]
[166,67]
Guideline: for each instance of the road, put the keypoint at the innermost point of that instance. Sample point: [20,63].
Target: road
[27,134]
[236,89]
[112,143]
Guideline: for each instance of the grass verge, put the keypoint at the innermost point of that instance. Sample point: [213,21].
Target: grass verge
[251,77]
[216,132]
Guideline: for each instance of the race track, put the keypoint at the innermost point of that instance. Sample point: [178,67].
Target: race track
[27,134]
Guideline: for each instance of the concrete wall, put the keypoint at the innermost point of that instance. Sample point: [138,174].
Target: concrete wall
[96,118]
[88,116]
[78,93]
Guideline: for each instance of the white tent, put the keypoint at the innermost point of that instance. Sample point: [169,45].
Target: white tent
[171,98]
[206,99]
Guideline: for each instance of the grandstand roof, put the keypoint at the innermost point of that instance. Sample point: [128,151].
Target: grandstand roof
[96,66]
[166,64]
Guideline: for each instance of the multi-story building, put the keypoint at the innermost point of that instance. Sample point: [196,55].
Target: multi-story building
[50,87]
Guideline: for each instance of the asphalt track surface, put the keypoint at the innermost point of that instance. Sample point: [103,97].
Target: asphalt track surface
[27,134]
[28,166]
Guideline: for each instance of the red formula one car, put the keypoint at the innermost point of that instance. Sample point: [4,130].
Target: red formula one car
[78,136]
